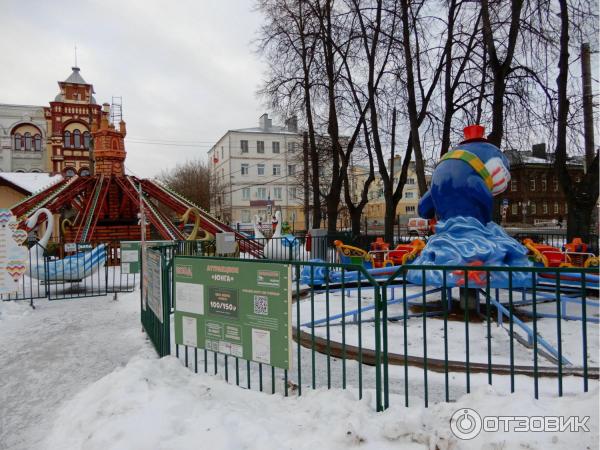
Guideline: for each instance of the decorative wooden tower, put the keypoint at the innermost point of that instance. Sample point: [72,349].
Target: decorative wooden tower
[109,149]
[104,206]
[96,200]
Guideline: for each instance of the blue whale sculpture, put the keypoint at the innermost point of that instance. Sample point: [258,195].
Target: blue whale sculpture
[463,186]
[465,181]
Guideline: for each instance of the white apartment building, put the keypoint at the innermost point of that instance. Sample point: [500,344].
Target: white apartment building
[256,171]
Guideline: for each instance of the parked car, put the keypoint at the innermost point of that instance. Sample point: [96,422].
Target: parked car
[420,227]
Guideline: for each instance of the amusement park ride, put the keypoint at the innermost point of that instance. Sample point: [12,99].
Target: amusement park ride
[495,265]
[463,186]
[105,205]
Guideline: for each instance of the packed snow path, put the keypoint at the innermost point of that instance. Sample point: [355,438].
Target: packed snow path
[50,354]
[79,374]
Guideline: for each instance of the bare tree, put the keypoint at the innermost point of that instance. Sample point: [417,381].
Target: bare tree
[192,180]
[289,43]
[581,196]
[499,64]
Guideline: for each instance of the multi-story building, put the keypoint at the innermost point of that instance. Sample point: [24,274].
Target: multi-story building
[256,171]
[23,139]
[72,117]
[55,138]
[534,194]
[407,206]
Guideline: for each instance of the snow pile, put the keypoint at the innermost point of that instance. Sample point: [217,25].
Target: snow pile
[158,404]
[10,309]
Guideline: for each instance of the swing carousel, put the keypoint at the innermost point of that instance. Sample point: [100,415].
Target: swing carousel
[105,206]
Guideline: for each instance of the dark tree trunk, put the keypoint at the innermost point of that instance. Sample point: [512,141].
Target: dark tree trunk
[335,188]
[582,196]
[448,91]
[412,101]
[355,217]
[314,156]
[579,221]
[500,69]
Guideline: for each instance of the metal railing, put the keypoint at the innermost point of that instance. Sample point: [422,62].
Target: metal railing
[392,335]
[86,270]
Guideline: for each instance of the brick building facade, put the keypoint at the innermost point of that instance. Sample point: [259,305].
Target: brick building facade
[534,194]
[55,138]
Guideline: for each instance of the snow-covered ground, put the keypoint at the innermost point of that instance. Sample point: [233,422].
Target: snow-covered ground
[433,330]
[79,374]
[49,354]
[153,404]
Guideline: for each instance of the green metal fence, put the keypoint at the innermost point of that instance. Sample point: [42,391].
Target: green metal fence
[379,333]
[157,324]
[565,295]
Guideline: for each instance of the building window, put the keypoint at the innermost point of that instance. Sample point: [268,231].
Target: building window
[292,147]
[513,185]
[27,141]
[291,169]
[245,169]
[577,179]
[84,172]
[37,143]
[555,183]
[261,169]
[18,141]
[277,193]
[410,209]
[245,193]
[276,169]
[409,195]
[544,184]
[244,146]
[87,140]
[76,138]
[532,184]
[293,193]
[260,146]
[245,216]
[544,205]
[275,147]
[70,172]
[261,193]
[67,139]
[556,211]
[533,208]
[410,181]
[514,209]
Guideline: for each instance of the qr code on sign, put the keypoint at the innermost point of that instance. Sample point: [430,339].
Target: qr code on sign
[261,306]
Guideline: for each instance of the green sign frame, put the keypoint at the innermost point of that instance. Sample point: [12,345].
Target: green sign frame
[239,308]
[131,257]
[152,294]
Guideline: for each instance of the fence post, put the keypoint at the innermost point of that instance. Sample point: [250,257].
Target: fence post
[166,306]
[378,387]
[46,269]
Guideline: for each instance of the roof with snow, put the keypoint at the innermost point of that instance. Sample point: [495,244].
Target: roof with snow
[30,182]
[272,129]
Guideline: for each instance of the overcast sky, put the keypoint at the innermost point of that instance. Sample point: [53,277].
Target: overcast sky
[186,70]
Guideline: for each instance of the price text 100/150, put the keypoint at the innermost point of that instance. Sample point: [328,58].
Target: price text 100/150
[223,306]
